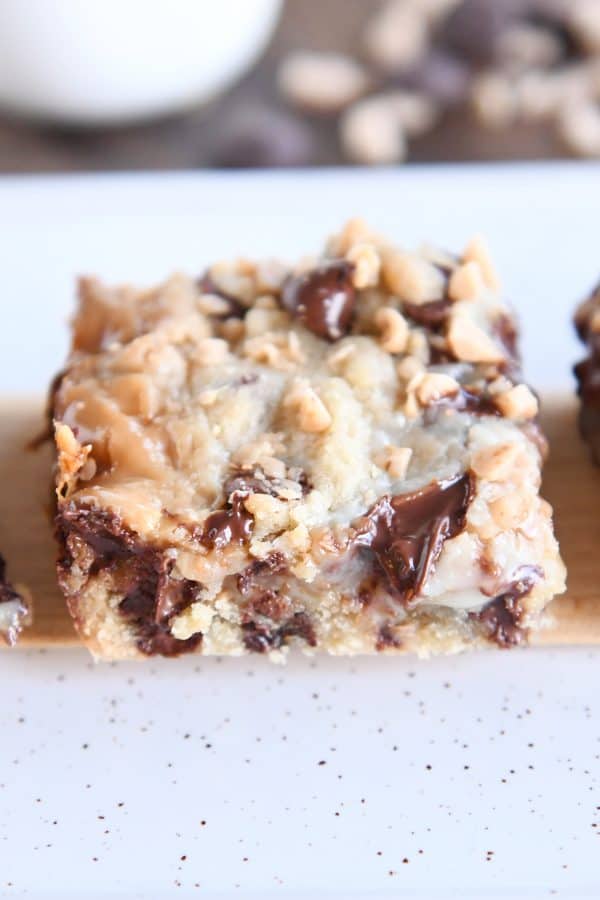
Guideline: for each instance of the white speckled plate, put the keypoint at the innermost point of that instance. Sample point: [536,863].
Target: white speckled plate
[470,777]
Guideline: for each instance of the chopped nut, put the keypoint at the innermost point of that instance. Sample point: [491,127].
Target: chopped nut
[433,386]
[269,444]
[367,264]
[265,301]
[213,305]
[470,343]
[494,100]
[418,346]
[233,330]
[355,231]
[416,112]
[411,277]
[313,415]
[408,367]
[323,82]
[299,539]
[271,466]
[235,279]
[579,126]
[72,458]
[495,463]
[210,351]
[477,251]
[396,37]
[281,351]
[509,511]
[584,19]
[208,397]
[393,328]
[371,135]
[258,321]
[466,282]
[517,403]
[340,355]
[394,460]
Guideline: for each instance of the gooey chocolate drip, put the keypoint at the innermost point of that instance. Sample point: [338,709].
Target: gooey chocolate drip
[322,299]
[141,572]
[233,524]
[502,617]
[404,534]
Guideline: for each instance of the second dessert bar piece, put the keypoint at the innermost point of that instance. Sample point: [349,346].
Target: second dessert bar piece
[14,608]
[338,455]
[587,323]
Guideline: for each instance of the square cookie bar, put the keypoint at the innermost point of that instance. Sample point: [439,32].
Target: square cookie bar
[338,455]
[587,324]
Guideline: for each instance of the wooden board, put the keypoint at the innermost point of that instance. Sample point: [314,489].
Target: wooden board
[571,484]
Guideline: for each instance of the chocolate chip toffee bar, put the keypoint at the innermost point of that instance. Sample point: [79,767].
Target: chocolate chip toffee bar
[15,608]
[339,456]
[587,324]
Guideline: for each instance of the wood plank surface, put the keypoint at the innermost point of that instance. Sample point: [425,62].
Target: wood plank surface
[571,484]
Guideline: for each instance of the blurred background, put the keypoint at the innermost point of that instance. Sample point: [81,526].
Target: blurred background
[184,84]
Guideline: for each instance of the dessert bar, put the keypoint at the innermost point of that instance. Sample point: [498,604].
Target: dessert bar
[14,609]
[338,455]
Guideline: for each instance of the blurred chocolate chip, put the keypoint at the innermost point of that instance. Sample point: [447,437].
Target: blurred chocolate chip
[472,28]
[441,77]
[322,299]
[257,136]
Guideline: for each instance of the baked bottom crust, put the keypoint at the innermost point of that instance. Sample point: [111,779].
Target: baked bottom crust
[339,456]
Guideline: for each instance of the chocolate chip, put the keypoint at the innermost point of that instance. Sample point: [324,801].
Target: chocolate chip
[258,136]
[502,617]
[472,28]
[232,525]
[430,315]
[97,540]
[322,299]
[387,638]
[405,534]
[441,76]
[260,639]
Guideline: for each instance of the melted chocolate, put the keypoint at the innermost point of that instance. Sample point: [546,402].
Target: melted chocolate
[141,572]
[478,403]
[501,618]
[430,315]
[322,299]
[387,638]
[233,525]
[251,578]
[404,534]
[260,639]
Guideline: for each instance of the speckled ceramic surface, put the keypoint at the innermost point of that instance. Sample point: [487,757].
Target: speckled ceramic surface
[474,776]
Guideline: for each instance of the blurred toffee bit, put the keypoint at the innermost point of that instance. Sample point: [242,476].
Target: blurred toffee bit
[15,609]
[507,61]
